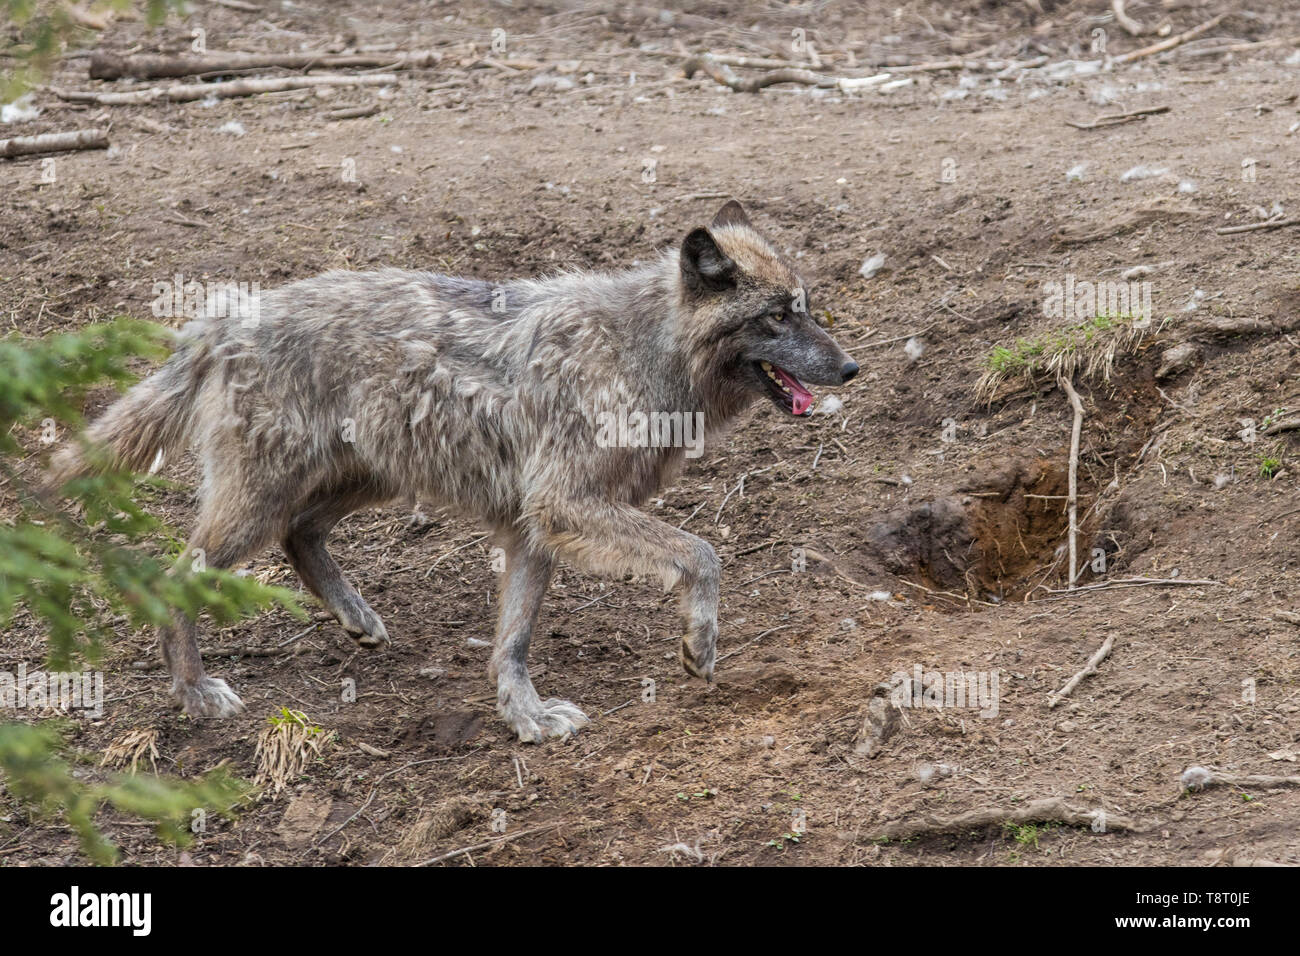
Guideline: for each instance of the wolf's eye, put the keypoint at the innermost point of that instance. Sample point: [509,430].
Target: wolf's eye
[777,316]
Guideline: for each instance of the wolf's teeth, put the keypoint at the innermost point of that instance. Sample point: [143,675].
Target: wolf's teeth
[767,366]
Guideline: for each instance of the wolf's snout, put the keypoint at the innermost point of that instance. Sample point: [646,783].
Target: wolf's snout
[848,371]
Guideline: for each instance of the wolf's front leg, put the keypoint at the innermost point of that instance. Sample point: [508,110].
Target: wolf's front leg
[523,586]
[607,537]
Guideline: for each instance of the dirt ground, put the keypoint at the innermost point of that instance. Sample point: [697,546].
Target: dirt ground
[895,533]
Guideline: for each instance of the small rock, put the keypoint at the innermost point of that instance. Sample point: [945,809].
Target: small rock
[1178,358]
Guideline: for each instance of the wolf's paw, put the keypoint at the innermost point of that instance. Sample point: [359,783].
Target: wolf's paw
[699,650]
[364,626]
[547,718]
[209,697]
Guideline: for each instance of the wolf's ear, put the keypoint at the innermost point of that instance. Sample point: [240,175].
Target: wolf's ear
[732,214]
[705,267]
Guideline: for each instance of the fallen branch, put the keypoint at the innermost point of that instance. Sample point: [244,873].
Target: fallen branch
[1258,226]
[1286,425]
[1172,42]
[54,142]
[108,66]
[1089,669]
[1199,778]
[1046,810]
[186,92]
[1118,119]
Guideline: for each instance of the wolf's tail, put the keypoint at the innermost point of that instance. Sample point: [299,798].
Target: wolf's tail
[146,425]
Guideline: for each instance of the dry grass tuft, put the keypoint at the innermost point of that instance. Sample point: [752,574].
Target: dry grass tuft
[433,824]
[132,747]
[285,748]
[1087,350]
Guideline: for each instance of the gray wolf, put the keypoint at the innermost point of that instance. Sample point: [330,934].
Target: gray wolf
[354,389]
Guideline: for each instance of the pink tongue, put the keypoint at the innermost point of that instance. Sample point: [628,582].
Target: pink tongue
[803,399]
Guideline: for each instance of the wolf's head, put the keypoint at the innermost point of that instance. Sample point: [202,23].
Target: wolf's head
[748,320]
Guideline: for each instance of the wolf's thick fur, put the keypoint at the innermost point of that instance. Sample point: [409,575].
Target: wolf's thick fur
[356,388]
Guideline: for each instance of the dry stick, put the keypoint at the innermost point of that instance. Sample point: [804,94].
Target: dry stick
[897,338]
[352,112]
[186,92]
[1073,496]
[107,66]
[1117,119]
[1254,227]
[1089,669]
[488,844]
[770,630]
[1047,810]
[1198,778]
[380,779]
[447,554]
[754,62]
[239,5]
[754,84]
[1172,42]
[54,142]
[1243,47]
[1131,26]
[1135,583]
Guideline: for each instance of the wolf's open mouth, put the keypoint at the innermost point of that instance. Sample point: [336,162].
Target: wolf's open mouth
[786,390]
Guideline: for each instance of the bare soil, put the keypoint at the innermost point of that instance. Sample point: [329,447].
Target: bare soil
[601,155]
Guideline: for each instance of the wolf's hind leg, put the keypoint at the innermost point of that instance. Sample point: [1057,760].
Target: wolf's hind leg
[305,546]
[224,537]
[523,586]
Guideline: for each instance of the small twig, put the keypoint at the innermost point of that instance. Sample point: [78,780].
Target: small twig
[740,486]
[1274,223]
[1089,669]
[1134,583]
[488,844]
[897,338]
[770,630]
[1118,119]
[447,554]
